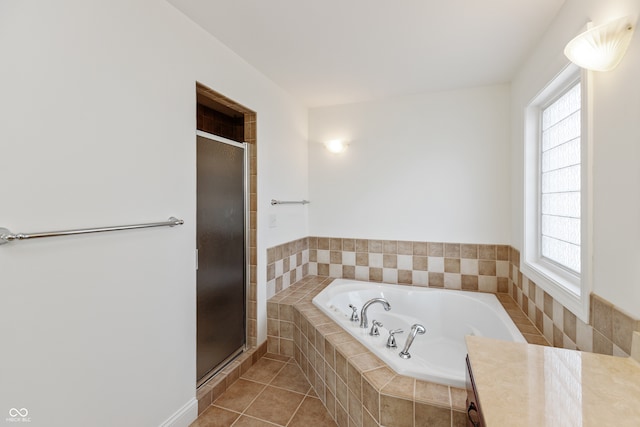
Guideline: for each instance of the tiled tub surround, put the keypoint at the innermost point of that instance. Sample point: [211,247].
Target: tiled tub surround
[435,264]
[357,388]
[286,264]
[443,265]
[487,268]
[609,331]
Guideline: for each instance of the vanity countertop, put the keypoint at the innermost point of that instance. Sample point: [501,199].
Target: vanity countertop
[521,384]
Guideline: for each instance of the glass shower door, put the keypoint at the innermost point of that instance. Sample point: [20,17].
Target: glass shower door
[221,253]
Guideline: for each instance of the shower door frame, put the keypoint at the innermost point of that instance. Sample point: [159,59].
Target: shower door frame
[247,241]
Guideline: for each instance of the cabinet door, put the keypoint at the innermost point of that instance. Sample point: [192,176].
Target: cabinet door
[474,415]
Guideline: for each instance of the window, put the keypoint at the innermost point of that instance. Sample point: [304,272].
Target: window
[557,191]
[560,181]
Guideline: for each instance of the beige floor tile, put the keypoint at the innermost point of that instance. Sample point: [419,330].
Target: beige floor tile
[264,370]
[275,405]
[215,417]
[291,378]
[250,402]
[312,413]
[240,395]
[245,421]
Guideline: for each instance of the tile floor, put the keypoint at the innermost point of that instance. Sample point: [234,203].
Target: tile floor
[274,392]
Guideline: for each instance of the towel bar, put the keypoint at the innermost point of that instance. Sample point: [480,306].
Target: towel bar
[7,236]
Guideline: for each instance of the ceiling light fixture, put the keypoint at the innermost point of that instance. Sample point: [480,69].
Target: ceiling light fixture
[601,48]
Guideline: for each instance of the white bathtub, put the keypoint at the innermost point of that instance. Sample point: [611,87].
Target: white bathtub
[447,315]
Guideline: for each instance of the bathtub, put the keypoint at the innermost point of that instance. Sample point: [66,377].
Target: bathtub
[447,315]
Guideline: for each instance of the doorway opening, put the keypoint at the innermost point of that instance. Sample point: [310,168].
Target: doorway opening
[225,130]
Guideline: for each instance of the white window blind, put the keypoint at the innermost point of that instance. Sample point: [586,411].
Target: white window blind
[560,181]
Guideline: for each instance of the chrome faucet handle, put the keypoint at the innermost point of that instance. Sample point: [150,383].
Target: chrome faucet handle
[374,332]
[354,314]
[391,341]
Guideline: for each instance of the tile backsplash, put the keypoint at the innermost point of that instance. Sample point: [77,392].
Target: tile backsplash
[434,264]
[609,331]
[286,264]
[474,267]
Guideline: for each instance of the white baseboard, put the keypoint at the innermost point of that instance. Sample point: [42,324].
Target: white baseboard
[183,416]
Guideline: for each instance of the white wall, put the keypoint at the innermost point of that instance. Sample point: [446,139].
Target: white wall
[431,167]
[616,155]
[97,124]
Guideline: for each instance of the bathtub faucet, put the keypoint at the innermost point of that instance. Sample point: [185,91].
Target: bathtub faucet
[364,322]
[415,329]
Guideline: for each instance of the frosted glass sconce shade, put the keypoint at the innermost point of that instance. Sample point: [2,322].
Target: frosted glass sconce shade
[601,48]
[336,146]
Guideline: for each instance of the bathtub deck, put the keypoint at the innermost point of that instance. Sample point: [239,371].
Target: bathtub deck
[355,386]
[526,327]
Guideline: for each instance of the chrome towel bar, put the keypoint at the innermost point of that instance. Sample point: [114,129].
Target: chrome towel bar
[6,236]
[280,202]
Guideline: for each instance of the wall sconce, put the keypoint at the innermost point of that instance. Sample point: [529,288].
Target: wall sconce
[601,48]
[336,146]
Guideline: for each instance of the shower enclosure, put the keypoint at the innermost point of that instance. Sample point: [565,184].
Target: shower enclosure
[221,252]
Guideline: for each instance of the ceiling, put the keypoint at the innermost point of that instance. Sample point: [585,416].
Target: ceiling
[327,52]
